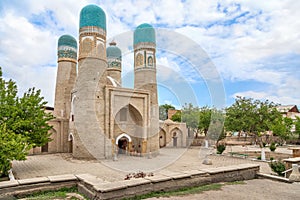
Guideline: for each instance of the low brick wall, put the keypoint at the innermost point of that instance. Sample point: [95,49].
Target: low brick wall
[95,188]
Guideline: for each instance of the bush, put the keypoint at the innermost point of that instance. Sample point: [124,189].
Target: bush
[277,167]
[220,148]
[273,147]
[258,157]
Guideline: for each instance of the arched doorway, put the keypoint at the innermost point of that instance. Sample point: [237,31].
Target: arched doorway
[123,141]
[162,138]
[129,121]
[177,137]
[70,140]
[45,148]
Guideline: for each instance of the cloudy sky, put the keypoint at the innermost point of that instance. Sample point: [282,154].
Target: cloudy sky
[253,46]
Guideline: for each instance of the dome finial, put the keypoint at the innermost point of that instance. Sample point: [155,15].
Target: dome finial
[113,43]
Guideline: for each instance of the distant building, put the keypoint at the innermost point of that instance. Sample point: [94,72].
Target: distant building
[172,112]
[290,111]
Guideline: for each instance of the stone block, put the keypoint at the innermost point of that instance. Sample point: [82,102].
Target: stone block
[6,184]
[136,182]
[196,173]
[175,175]
[158,178]
[108,187]
[33,180]
[89,179]
[62,178]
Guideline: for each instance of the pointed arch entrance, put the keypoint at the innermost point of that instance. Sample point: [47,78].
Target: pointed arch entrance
[177,137]
[123,141]
[129,129]
[162,138]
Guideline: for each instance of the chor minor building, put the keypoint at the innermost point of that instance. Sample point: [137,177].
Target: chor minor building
[95,117]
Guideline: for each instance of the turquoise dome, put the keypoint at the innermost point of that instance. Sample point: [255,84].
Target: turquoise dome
[92,15]
[144,33]
[113,51]
[67,40]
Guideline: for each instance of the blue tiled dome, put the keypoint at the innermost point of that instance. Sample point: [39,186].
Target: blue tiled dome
[113,51]
[92,15]
[144,33]
[67,40]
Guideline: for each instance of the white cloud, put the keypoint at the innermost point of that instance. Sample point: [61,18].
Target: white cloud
[240,41]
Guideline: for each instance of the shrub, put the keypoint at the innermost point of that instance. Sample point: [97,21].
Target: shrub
[220,148]
[273,146]
[258,157]
[271,158]
[277,167]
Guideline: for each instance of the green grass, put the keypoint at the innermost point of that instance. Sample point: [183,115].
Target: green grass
[184,191]
[48,195]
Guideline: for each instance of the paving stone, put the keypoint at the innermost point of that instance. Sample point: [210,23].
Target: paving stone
[136,182]
[64,177]
[5,184]
[158,178]
[107,187]
[89,179]
[33,180]
[195,172]
[175,175]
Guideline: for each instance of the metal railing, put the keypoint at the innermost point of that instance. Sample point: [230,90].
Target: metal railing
[286,171]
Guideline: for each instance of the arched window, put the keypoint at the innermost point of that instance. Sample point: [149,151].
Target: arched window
[150,61]
[139,60]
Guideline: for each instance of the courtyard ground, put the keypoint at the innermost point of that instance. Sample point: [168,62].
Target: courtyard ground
[170,159]
[255,189]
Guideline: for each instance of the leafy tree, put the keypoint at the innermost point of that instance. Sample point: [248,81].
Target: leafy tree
[203,120]
[176,117]
[163,111]
[205,114]
[216,128]
[190,115]
[297,127]
[251,116]
[23,119]
[282,127]
[13,147]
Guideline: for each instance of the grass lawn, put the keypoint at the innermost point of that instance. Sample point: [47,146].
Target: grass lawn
[63,193]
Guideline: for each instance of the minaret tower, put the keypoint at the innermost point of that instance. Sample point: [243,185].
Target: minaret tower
[66,75]
[145,77]
[114,59]
[88,94]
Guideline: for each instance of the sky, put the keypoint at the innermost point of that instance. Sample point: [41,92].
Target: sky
[208,52]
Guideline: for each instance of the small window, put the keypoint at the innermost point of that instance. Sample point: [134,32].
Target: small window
[123,114]
[139,60]
[150,61]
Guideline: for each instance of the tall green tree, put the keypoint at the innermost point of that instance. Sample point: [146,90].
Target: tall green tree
[297,127]
[13,147]
[216,126]
[177,116]
[163,111]
[22,118]
[205,114]
[190,116]
[251,116]
[282,127]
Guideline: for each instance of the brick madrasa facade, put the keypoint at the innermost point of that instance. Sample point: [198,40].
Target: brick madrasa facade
[95,117]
